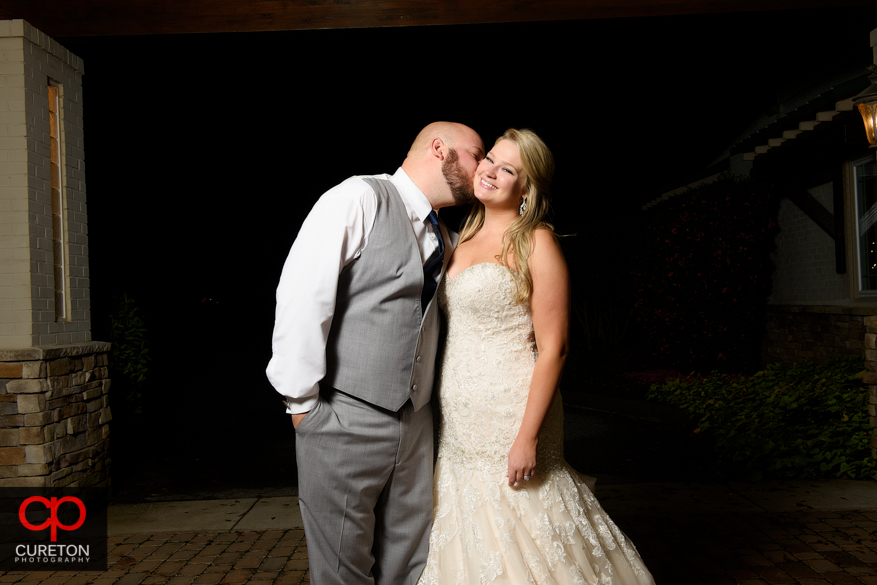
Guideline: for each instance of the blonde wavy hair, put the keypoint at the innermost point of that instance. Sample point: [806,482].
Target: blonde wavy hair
[538,163]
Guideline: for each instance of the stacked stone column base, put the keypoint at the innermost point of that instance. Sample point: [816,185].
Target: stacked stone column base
[870,344]
[54,416]
[813,333]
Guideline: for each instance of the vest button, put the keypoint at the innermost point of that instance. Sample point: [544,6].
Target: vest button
[414,388]
[418,358]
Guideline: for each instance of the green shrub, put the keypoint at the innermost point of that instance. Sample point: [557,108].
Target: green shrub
[805,422]
[702,275]
[129,357]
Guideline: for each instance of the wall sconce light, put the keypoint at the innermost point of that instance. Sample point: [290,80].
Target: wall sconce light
[866,102]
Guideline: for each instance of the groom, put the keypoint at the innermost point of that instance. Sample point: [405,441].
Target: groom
[355,337]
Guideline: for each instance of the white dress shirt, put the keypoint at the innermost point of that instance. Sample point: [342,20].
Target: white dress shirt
[335,232]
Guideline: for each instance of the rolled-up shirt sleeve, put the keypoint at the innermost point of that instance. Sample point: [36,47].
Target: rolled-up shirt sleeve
[334,233]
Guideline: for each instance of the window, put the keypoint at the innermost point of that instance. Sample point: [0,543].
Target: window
[865,185]
[58,244]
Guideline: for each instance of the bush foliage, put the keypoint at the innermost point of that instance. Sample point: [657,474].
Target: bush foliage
[129,357]
[806,422]
[702,275]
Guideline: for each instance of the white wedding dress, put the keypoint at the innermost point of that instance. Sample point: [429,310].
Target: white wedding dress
[550,530]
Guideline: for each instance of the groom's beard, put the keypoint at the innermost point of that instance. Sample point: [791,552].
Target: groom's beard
[459,183]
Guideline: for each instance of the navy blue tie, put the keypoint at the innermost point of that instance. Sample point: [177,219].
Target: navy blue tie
[434,266]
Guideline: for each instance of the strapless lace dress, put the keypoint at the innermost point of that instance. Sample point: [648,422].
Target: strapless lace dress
[550,530]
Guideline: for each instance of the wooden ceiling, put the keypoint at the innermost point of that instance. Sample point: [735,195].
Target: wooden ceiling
[78,18]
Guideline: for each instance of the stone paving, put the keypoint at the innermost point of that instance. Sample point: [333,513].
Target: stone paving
[805,548]
[275,557]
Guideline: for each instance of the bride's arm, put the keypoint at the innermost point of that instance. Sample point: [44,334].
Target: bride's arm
[549,303]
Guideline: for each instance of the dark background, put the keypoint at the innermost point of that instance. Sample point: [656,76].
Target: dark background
[205,152]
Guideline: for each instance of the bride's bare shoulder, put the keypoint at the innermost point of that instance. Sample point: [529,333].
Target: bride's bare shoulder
[546,248]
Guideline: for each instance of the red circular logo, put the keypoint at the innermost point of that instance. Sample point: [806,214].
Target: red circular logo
[53,521]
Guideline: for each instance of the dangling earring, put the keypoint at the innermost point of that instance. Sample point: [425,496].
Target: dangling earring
[523,205]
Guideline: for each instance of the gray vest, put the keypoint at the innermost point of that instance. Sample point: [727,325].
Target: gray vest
[381,346]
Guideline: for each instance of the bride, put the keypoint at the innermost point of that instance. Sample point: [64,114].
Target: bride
[507,507]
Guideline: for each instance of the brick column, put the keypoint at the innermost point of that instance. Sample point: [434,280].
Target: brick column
[54,409]
[38,209]
[870,378]
[871,333]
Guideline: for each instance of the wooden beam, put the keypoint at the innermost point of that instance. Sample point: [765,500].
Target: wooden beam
[815,211]
[831,223]
[75,18]
[840,239]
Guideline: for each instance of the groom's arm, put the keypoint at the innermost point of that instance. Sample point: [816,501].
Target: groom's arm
[333,234]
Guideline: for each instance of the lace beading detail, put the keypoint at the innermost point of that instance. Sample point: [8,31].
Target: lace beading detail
[484,380]
[551,530]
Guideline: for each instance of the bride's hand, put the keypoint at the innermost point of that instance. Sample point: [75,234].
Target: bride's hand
[522,461]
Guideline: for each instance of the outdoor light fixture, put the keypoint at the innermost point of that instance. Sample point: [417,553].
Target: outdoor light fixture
[867,104]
